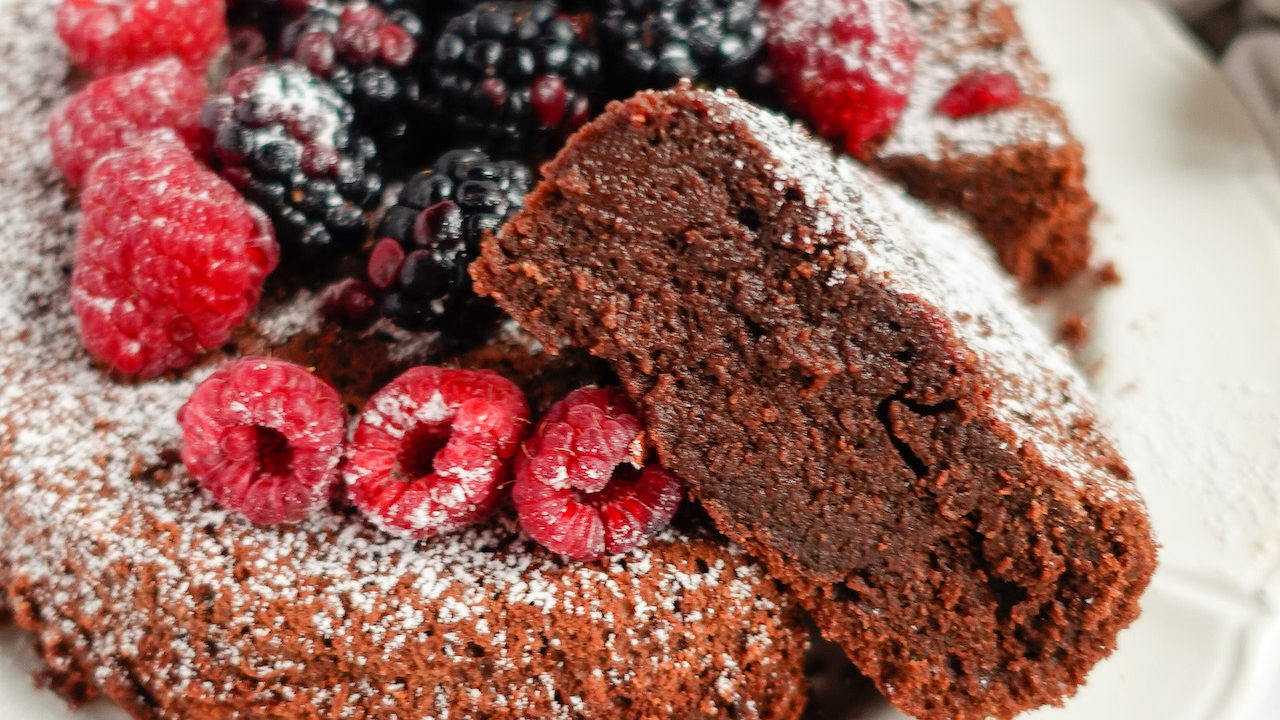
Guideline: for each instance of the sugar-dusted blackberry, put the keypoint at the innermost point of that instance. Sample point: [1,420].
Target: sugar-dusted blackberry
[513,77]
[373,54]
[427,239]
[286,139]
[654,43]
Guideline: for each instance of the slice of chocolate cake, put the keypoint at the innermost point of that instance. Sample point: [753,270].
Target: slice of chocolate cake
[848,384]
[1017,171]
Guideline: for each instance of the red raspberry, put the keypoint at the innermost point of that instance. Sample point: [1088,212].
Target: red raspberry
[112,112]
[582,439]
[106,36]
[264,437]
[578,489]
[980,92]
[430,453]
[847,65]
[170,258]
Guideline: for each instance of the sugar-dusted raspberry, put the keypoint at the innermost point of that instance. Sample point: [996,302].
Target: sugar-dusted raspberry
[264,437]
[847,65]
[582,439]
[581,486]
[588,526]
[170,258]
[430,453]
[980,92]
[114,111]
[106,36]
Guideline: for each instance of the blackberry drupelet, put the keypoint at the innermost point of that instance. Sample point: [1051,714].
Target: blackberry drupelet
[373,54]
[286,139]
[430,236]
[654,43]
[513,77]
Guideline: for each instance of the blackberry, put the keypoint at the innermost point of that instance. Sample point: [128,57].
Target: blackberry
[513,77]
[654,43]
[372,54]
[432,233]
[286,140]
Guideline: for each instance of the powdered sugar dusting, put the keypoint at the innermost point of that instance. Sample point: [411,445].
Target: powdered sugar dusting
[146,588]
[794,25]
[915,252]
[959,37]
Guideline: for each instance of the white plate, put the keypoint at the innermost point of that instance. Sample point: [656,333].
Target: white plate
[1187,365]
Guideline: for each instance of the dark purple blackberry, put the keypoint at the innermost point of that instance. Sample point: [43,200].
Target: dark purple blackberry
[285,139]
[371,53]
[427,239]
[654,43]
[513,77]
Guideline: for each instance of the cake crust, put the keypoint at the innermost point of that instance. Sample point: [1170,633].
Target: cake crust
[847,383]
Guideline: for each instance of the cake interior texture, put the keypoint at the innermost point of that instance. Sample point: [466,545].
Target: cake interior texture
[849,385]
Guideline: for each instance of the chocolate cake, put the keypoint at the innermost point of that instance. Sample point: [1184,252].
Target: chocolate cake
[850,387]
[138,588]
[1018,171]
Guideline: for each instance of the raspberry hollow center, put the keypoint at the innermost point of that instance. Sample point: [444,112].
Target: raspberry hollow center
[418,451]
[275,455]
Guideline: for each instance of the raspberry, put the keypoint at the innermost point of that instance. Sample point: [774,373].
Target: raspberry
[588,526]
[582,439]
[264,437]
[106,36]
[580,487]
[112,112]
[981,92]
[170,258]
[430,453]
[847,65]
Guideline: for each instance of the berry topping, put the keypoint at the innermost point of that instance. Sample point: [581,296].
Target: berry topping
[654,43]
[430,453]
[580,487]
[582,439]
[981,92]
[427,240]
[513,77]
[352,302]
[370,54]
[634,506]
[285,139]
[106,36]
[264,437]
[112,112]
[847,65]
[170,258]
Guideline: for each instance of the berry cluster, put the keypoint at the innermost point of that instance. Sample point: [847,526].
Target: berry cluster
[429,237]
[287,140]
[372,55]
[431,454]
[171,258]
[654,43]
[514,77]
